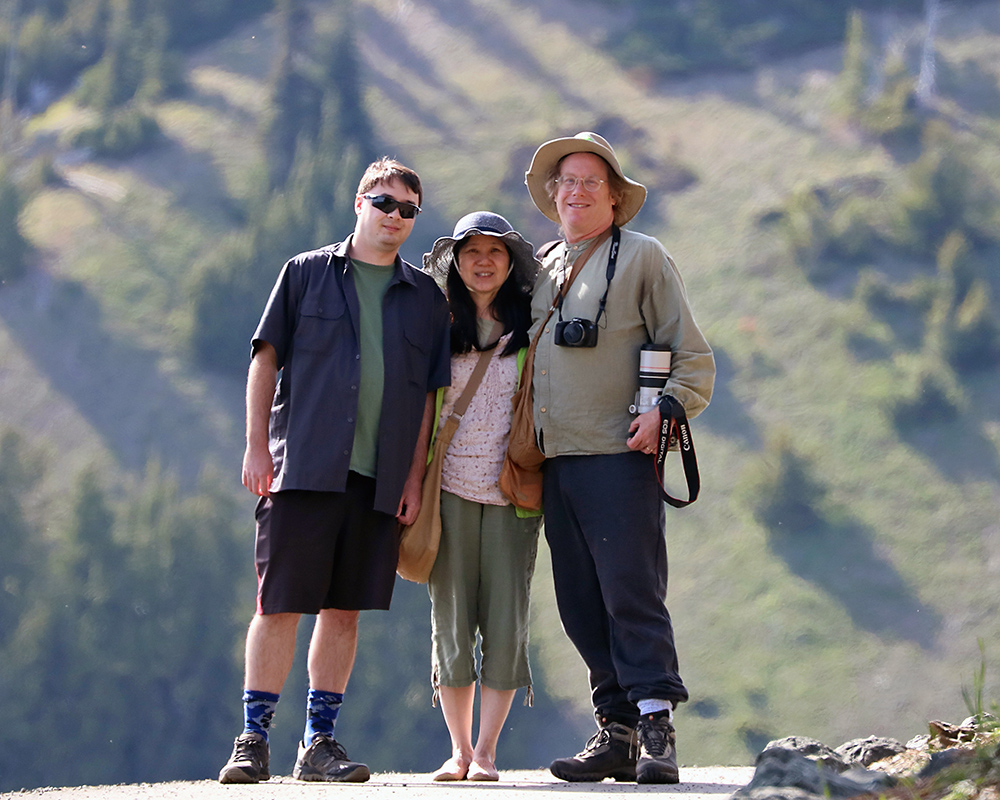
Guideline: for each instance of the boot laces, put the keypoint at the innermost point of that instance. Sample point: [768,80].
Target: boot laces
[599,739]
[246,749]
[653,737]
[327,750]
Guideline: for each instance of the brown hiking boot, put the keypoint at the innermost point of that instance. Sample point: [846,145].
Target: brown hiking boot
[249,761]
[610,753]
[657,749]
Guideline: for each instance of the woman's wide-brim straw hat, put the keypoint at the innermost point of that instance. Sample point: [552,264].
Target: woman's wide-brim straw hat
[552,152]
[442,255]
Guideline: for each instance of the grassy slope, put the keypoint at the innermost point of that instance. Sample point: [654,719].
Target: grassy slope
[876,639]
[873,632]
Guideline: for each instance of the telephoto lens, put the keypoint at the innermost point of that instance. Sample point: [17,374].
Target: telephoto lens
[654,370]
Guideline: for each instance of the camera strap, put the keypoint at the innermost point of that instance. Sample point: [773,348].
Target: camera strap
[529,359]
[616,240]
[674,426]
[564,288]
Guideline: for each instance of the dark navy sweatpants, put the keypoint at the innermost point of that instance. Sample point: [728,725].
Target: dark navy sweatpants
[604,522]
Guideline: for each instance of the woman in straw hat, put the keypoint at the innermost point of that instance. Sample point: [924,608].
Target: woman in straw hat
[613,292]
[481,578]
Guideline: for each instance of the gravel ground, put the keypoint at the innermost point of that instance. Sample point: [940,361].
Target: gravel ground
[697,783]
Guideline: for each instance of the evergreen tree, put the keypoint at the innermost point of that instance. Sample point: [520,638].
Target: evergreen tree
[24,598]
[930,396]
[58,40]
[345,118]
[956,266]
[114,80]
[294,100]
[945,192]
[184,579]
[974,343]
[892,114]
[226,290]
[64,666]
[806,226]
[20,568]
[136,41]
[855,77]
[13,246]
[963,329]
[127,670]
[159,66]
[317,140]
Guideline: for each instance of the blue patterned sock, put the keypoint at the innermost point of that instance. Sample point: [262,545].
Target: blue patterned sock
[321,713]
[258,708]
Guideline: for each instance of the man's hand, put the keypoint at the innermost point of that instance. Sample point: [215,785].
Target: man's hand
[645,432]
[258,470]
[409,503]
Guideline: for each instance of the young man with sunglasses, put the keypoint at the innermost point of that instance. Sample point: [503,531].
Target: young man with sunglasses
[349,351]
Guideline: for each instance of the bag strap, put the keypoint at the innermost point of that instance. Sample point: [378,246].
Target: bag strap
[547,248]
[673,423]
[462,404]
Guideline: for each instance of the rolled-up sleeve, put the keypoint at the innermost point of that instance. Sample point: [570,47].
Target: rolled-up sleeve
[670,322]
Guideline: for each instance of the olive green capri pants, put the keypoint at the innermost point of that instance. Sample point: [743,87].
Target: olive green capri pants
[480,583]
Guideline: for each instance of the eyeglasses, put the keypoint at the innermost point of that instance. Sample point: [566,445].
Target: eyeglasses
[569,183]
[387,205]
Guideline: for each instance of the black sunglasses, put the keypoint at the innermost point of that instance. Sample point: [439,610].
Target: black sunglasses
[387,205]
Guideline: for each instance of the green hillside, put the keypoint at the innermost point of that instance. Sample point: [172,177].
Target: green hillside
[843,562]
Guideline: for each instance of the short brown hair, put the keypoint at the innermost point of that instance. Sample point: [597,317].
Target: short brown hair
[616,184]
[386,170]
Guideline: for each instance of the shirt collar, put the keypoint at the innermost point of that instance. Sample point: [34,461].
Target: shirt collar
[572,252]
[401,270]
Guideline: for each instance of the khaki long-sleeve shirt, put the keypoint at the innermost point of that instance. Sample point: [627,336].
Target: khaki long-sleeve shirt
[582,394]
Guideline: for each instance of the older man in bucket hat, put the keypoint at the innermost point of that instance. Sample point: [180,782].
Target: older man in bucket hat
[604,518]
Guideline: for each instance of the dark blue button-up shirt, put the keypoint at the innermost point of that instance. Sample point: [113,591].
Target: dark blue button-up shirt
[311,320]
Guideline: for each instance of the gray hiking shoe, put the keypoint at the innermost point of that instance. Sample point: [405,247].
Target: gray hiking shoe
[610,753]
[249,761]
[326,760]
[657,750]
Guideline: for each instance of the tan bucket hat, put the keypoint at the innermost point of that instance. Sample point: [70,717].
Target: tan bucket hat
[550,153]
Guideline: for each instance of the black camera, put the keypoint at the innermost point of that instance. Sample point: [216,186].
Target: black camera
[576,332]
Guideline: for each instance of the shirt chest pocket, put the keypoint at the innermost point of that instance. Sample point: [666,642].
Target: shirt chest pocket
[322,323]
[416,349]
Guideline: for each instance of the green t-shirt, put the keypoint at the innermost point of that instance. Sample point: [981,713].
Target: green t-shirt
[370,282]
